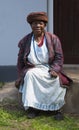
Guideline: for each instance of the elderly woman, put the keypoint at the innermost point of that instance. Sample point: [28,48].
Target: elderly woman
[40,77]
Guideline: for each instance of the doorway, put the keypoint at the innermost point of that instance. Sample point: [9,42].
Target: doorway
[66,27]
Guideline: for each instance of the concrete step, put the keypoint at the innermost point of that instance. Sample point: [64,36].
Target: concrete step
[72,95]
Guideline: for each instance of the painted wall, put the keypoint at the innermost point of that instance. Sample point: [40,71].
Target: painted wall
[13,26]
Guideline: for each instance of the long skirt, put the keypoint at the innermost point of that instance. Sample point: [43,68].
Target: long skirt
[41,91]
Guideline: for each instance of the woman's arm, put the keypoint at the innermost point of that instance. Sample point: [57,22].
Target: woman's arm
[58,55]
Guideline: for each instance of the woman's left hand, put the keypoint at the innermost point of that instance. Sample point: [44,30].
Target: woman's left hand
[53,74]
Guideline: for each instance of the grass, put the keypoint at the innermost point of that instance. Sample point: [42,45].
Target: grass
[13,117]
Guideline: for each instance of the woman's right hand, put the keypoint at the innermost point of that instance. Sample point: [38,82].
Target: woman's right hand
[17,82]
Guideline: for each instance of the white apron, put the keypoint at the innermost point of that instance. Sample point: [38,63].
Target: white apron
[40,90]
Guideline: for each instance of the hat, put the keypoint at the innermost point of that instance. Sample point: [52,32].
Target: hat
[37,16]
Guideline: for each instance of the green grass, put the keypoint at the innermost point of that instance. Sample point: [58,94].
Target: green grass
[12,117]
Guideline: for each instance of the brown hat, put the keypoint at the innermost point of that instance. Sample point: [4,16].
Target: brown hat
[37,16]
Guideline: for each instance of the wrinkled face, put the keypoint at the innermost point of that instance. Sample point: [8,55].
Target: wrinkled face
[38,27]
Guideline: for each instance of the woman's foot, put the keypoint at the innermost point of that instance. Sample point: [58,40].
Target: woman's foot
[32,113]
[58,116]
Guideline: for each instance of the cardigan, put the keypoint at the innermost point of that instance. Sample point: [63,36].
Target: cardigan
[55,52]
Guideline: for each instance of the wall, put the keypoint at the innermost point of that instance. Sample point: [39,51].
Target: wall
[13,27]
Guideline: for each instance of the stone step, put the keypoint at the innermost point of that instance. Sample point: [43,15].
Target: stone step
[72,104]
[72,95]
[72,99]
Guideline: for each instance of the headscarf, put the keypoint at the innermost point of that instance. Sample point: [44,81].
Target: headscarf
[37,16]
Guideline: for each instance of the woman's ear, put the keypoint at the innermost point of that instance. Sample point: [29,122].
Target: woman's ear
[45,24]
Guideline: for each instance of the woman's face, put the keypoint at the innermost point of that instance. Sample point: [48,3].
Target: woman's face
[38,27]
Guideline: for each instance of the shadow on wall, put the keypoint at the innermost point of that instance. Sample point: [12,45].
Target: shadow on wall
[8,73]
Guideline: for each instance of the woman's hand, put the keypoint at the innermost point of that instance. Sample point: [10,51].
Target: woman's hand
[53,73]
[17,82]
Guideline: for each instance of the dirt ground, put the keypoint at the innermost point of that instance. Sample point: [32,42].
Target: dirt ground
[8,91]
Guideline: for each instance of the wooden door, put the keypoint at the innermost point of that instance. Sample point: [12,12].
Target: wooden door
[66,26]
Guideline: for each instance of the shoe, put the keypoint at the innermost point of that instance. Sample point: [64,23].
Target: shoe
[33,113]
[59,116]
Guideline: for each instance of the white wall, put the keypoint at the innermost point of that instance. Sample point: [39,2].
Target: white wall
[13,26]
[50,15]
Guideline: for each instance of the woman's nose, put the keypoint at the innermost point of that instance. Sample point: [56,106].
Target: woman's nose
[38,24]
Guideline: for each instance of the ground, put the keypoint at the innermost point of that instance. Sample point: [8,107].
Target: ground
[8,91]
